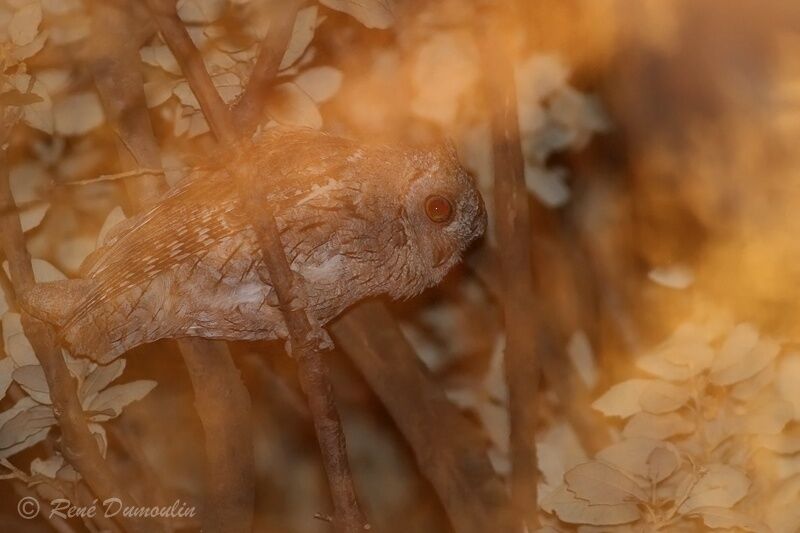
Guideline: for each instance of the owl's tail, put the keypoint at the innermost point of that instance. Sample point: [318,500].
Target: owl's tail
[56,302]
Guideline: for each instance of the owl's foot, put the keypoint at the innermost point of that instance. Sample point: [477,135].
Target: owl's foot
[317,338]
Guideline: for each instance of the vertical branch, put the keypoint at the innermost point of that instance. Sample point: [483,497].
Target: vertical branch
[248,109]
[79,445]
[188,56]
[449,450]
[222,401]
[223,404]
[513,232]
[312,369]
[313,372]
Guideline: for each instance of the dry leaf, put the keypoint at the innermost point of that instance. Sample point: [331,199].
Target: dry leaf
[742,356]
[684,355]
[766,415]
[673,277]
[31,379]
[44,271]
[200,11]
[371,13]
[110,402]
[6,371]
[99,433]
[721,486]
[289,105]
[78,114]
[787,380]
[750,387]
[22,53]
[632,455]
[718,517]
[15,342]
[160,56]
[37,115]
[23,425]
[99,379]
[557,450]
[305,24]
[573,510]
[661,464]
[602,484]
[320,83]
[229,86]
[186,95]
[24,25]
[662,427]
[579,350]
[114,217]
[158,92]
[630,397]
[539,77]
[31,217]
[48,467]
[548,184]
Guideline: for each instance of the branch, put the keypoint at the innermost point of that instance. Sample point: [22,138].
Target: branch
[312,370]
[79,445]
[223,404]
[589,426]
[449,450]
[519,305]
[188,56]
[250,106]
[222,400]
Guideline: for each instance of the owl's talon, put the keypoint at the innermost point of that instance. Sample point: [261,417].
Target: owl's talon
[318,339]
[321,339]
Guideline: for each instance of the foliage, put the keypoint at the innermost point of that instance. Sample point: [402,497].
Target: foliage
[708,437]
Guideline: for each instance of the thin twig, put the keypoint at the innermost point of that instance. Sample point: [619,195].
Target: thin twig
[513,230]
[312,369]
[79,445]
[249,108]
[222,400]
[191,62]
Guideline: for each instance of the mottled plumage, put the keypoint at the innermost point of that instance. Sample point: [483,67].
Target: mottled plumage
[355,221]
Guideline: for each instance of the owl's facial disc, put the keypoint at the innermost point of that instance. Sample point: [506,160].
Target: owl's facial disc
[446,212]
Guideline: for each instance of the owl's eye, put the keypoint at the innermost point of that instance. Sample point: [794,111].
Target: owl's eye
[438,208]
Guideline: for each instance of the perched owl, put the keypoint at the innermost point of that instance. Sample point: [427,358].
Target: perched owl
[355,221]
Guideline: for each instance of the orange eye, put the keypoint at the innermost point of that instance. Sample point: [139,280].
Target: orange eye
[438,208]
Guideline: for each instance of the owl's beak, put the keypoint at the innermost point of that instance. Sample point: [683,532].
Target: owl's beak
[440,256]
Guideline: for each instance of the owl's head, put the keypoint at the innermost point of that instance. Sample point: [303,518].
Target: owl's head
[443,211]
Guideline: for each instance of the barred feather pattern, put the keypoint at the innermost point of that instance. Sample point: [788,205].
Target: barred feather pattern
[352,223]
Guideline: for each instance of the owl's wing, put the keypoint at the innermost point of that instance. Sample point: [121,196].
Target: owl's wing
[204,209]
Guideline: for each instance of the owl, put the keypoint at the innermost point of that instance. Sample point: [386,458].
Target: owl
[356,221]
